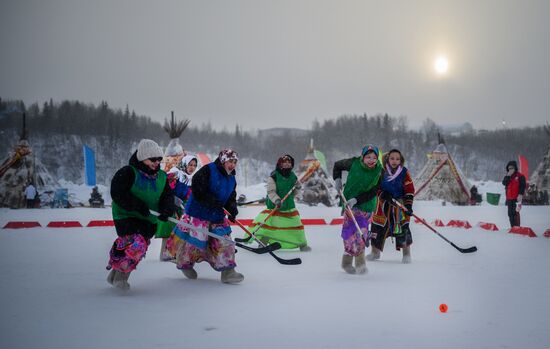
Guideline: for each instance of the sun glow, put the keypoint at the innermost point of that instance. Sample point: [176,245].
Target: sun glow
[441,65]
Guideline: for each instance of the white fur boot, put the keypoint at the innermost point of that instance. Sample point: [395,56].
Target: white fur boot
[346,264]
[406,255]
[190,273]
[121,280]
[305,248]
[374,255]
[111,276]
[360,264]
[230,276]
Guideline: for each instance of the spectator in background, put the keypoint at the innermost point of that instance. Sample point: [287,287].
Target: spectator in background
[30,195]
[96,200]
[475,197]
[515,183]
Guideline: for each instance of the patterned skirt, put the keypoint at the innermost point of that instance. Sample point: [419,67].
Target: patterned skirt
[191,246]
[355,241]
[127,252]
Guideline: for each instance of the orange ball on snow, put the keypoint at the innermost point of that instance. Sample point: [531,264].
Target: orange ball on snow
[443,308]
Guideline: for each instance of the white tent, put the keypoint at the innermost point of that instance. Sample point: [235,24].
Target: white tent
[442,179]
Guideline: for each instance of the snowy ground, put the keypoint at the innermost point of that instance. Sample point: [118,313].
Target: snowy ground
[54,293]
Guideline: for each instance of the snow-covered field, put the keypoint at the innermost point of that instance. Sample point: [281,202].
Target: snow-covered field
[54,293]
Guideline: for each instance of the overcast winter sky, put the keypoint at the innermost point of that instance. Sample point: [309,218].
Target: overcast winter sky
[286,62]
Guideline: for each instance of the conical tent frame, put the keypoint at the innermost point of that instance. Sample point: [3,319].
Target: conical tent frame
[454,171]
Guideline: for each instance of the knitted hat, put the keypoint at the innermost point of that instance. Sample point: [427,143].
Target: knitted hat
[368,148]
[227,154]
[148,149]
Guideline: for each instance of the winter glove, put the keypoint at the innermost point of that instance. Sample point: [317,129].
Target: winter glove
[338,184]
[386,196]
[142,209]
[278,203]
[233,212]
[231,218]
[352,202]
[408,210]
[163,218]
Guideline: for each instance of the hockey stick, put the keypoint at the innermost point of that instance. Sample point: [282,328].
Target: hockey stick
[261,250]
[346,205]
[259,201]
[293,261]
[311,169]
[462,250]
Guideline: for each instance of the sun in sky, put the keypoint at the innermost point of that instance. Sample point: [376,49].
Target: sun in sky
[441,65]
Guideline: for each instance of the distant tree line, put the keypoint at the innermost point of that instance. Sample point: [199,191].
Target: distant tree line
[481,154]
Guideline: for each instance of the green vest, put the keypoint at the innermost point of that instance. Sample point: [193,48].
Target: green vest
[361,179]
[146,193]
[283,185]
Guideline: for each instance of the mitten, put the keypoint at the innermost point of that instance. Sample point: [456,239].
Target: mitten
[163,217]
[352,202]
[386,196]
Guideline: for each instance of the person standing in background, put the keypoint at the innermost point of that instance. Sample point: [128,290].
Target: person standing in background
[30,195]
[515,184]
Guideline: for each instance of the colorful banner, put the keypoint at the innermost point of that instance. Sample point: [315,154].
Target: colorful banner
[89,166]
[523,167]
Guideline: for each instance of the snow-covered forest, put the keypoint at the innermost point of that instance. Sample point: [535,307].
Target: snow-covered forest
[57,131]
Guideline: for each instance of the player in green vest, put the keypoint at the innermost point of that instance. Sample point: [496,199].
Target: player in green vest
[137,188]
[284,226]
[361,187]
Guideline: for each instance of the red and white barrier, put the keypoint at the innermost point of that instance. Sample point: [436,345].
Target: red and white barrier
[20,225]
[64,224]
[438,223]
[455,223]
[487,226]
[106,223]
[523,231]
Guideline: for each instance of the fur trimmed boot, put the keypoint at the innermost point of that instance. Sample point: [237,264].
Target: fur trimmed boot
[230,276]
[190,273]
[305,248]
[406,255]
[360,264]
[111,277]
[374,255]
[120,280]
[346,264]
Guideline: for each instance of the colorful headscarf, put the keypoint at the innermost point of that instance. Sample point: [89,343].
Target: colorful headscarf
[283,158]
[228,154]
[186,160]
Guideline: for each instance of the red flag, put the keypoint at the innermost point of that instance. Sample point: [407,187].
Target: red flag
[524,167]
